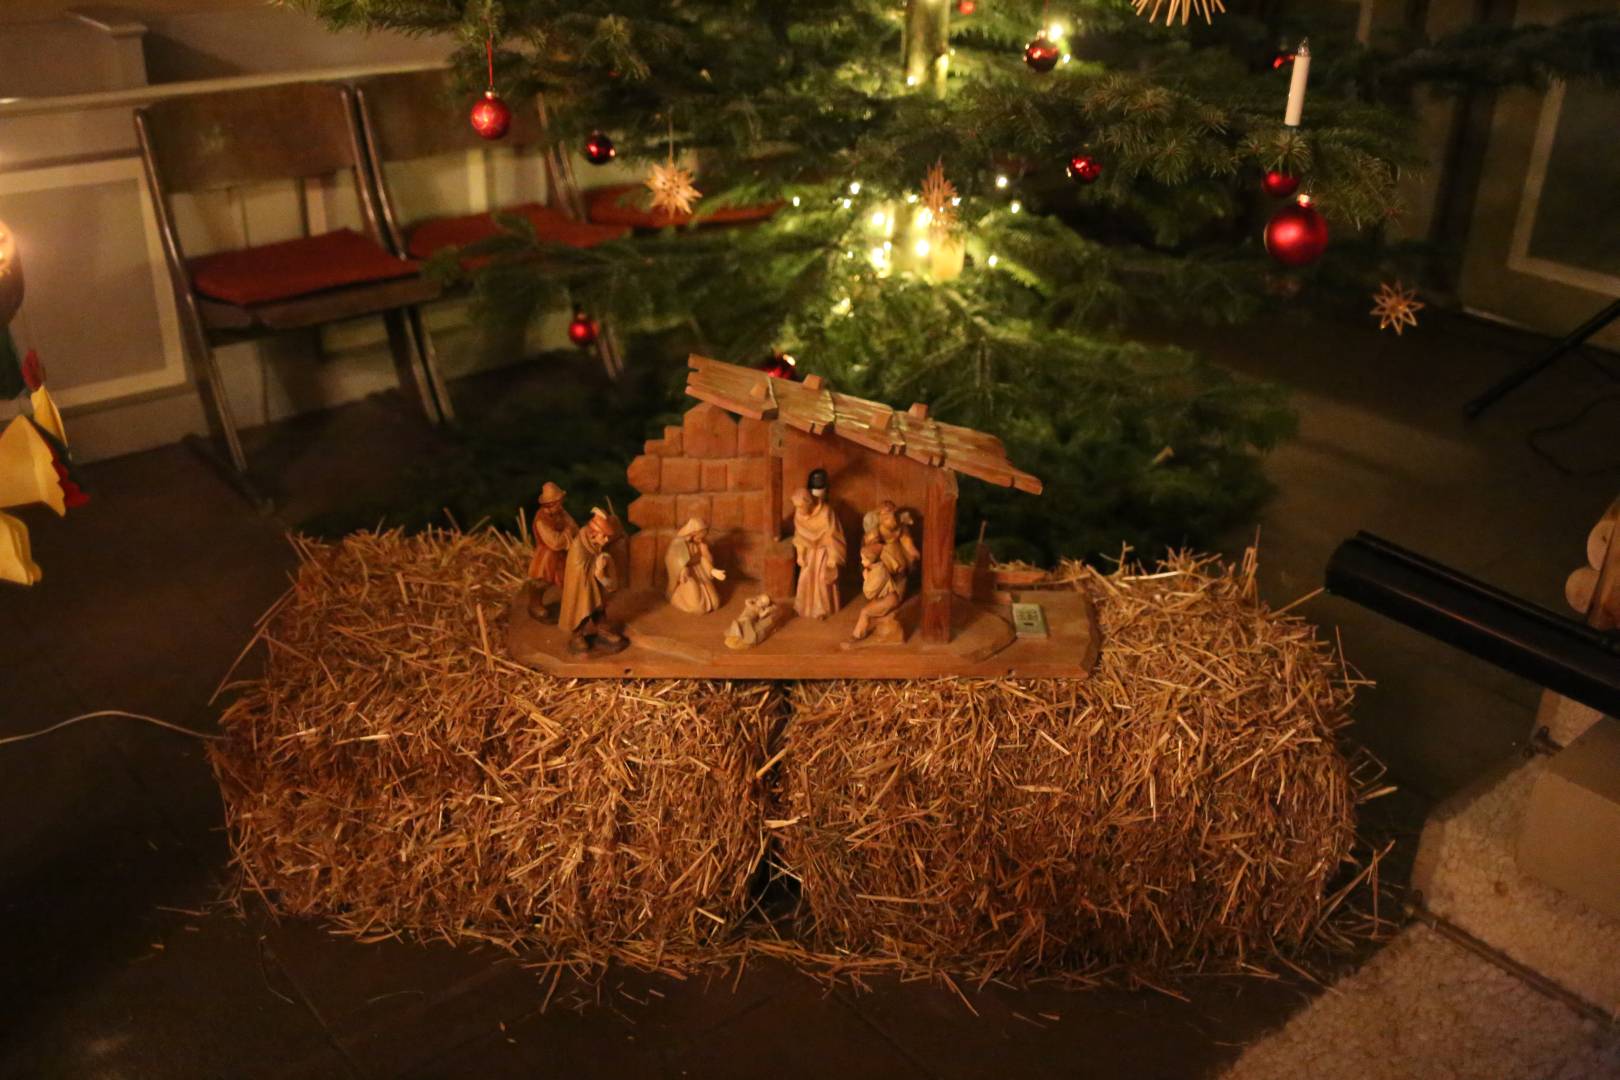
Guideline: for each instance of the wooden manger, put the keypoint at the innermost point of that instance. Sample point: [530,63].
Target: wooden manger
[735,463]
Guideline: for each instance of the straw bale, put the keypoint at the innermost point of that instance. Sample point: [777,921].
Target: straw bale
[392,772]
[1186,808]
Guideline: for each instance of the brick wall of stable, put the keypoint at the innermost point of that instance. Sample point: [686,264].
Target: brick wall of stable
[712,466]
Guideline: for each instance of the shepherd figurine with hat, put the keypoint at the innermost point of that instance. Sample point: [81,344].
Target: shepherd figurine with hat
[554,530]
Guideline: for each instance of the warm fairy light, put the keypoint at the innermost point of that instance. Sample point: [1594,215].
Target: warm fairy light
[854,187]
[956,200]
[1067,58]
[842,307]
[924,218]
[1015,206]
[1002,181]
[921,247]
[795,200]
[879,219]
[991,261]
[848,203]
[911,80]
[1055,32]
[911,196]
[879,256]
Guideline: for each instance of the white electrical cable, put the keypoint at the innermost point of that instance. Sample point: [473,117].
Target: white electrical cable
[107,712]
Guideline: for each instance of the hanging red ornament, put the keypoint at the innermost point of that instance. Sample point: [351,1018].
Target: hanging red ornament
[1283,58]
[966,7]
[490,116]
[1042,54]
[1084,169]
[599,149]
[1297,235]
[1278,184]
[582,329]
[781,366]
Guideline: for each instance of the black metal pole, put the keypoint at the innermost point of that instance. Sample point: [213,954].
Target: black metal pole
[1513,380]
[1561,654]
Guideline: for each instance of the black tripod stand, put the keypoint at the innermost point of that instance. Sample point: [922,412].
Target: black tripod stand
[1574,340]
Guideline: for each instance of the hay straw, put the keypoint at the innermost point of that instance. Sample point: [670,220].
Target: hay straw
[395,775]
[1183,809]
[1186,808]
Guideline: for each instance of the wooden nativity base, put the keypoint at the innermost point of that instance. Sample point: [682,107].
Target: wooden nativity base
[665,643]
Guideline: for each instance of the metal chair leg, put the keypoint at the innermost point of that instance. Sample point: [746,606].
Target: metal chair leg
[609,352]
[430,363]
[215,401]
[412,381]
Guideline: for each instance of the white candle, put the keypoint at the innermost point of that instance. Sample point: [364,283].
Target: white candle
[1296,88]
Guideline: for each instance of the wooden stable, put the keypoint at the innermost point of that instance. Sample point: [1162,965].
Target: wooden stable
[736,462]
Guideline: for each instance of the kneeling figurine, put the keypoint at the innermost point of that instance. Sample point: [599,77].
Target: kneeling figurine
[879,622]
[690,565]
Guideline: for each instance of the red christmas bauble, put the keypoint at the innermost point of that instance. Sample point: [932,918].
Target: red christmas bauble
[1297,234]
[490,116]
[1084,169]
[966,7]
[582,329]
[780,366]
[1042,53]
[599,149]
[1278,184]
[1283,58]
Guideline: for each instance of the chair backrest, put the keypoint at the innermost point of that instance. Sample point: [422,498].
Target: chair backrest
[421,114]
[291,131]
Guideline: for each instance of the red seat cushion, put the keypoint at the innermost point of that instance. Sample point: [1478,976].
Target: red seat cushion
[621,205]
[551,226]
[292,268]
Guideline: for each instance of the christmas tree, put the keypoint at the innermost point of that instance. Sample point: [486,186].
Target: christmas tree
[976,200]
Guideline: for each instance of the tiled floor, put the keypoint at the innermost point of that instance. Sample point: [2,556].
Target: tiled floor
[110,846]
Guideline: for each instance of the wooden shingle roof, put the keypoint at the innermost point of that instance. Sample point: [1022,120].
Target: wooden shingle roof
[813,407]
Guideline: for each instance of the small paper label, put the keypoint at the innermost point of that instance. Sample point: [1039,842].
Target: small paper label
[1029,620]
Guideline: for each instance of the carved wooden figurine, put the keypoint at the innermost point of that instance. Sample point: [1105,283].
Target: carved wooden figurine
[878,619]
[589,578]
[891,529]
[818,544]
[554,530]
[692,575]
[754,625]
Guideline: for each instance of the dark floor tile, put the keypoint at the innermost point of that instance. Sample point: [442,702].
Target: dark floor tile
[356,988]
[1054,1033]
[156,995]
[804,1030]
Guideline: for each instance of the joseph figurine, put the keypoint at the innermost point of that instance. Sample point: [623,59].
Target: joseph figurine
[588,579]
[818,544]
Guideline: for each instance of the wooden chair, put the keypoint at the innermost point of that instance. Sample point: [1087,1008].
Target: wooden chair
[415,115]
[293,132]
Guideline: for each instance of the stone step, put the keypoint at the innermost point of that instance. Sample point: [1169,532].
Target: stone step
[1468,874]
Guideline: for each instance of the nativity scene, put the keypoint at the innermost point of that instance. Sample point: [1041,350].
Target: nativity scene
[785,530]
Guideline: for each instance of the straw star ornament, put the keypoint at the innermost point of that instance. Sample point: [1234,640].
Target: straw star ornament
[1396,307]
[672,190]
[1185,9]
[939,199]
